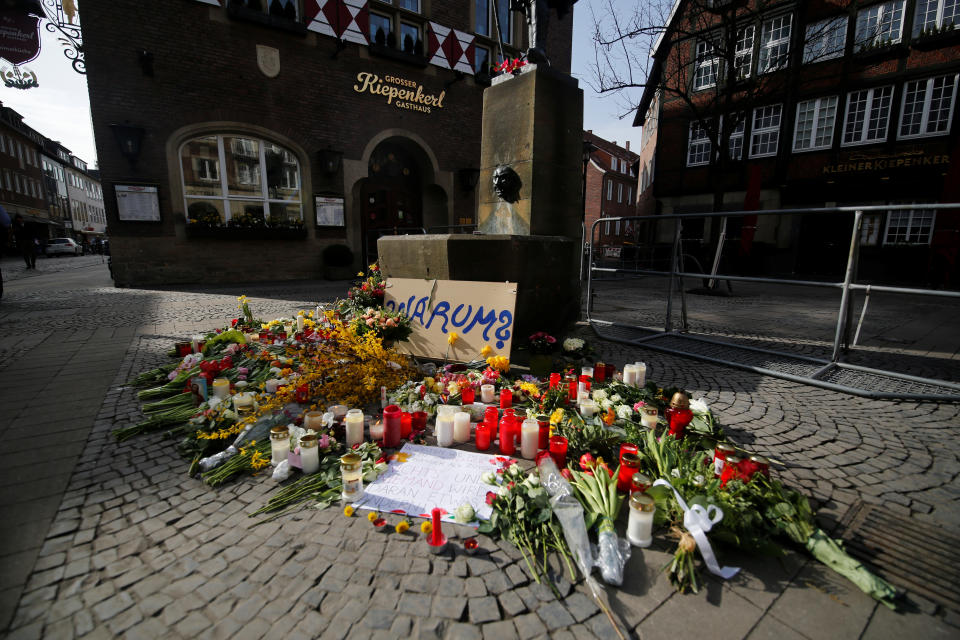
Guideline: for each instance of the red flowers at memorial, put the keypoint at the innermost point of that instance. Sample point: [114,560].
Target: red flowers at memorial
[510,66]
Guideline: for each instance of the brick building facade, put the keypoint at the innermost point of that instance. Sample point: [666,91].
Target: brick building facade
[611,189]
[771,105]
[255,122]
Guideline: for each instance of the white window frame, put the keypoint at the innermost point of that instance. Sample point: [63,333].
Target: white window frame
[506,30]
[823,108]
[825,40]
[699,146]
[400,5]
[609,189]
[737,134]
[629,195]
[768,62]
[706,67]
[756,131]
[619,193]
[910,213]
[743,52]
[945,13]
[927,102]
[885,12]
[874,102]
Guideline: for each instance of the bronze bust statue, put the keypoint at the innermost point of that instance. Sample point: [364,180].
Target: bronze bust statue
[538,23]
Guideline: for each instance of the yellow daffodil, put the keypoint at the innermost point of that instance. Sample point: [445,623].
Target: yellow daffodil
[556,416]
[360,274]
[348,511]
[486,351]
[452,338]
[500,363]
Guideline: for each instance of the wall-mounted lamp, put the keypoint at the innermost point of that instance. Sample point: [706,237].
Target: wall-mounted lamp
[588,148]
[128,138]
[468,178]
[330,160]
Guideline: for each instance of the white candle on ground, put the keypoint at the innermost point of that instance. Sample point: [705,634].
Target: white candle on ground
[588,408]
[376,430]
[221,388]
[353,425]
[301,323]
[487,393]
[529,438]
[461,427]
[586,371]
[309,454]
[444,430]
[641,373]
[312,419]
[318,313]
[640,522]
[446,410]
[648,416]
[630,374]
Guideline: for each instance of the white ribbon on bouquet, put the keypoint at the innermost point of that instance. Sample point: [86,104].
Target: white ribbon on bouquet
[698,520]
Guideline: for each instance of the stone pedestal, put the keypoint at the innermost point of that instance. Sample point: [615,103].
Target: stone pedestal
[548,293]
[533,122]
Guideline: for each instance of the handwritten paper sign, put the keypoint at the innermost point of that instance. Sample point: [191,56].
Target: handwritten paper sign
[419,478]
[480,313]
[137,202]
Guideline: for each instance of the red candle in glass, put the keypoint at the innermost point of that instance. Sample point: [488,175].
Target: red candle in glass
[678,419]
[467,395]
[600,372]
[506,398]
[554,380]
[610,370]
[628,447]
[629,465]
[418,420]
[585,381]
[543,441]
[302,394]
[571,388]
[516,422]
[640,482]
[391,426]
[491,415]
[406,424]
[558,451]
[483,436]
[507,447]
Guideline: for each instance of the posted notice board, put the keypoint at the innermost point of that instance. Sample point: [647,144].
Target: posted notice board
[137,202]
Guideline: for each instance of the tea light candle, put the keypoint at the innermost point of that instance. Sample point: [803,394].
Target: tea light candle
[376,430]
[313,420]
[309,454]
[221,388]
[279,444]
[444,430]
[487,393]
[529,438]
[353,424]
[461,427]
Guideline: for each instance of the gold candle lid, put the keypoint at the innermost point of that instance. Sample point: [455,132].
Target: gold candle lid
[640,479]
[733,460]
[630,459]
[308,441]
[642,501]
[279,431]
[350,460]
[680,401]
[726,448]
[760,460]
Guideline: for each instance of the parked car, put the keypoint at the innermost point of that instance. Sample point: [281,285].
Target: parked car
[60,246]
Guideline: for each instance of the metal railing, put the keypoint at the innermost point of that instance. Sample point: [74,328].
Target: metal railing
[812,370]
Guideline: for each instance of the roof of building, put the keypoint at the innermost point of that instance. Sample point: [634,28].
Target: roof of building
[610,147]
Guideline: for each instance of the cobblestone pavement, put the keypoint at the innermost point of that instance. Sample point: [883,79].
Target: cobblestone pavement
[135,548]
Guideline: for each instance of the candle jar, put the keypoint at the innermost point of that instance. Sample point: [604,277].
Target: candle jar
[461,427]
[720,454]
[467,395]
[353,426]
[507,446]
[554,380]
[406,425]
[641,369]
[752,466]
[351,473]
[731,470]
[309,454]
[543,438]
[630,375]
[610,370]
[648,416]
[506,398]
[629,466]
[221,388]
[376,431]
[491,415]
[446,410]
[529,438]
[640,482]
[183,348]
[279,444]
[571,383]
[588,408]
[558,451]
[678,415]
[484,431]
[302,395]
[418,421]
[586,371]
[487,393]
[313,420]
[628,447]
[583,386]
[243,402]
[599,372]
[640,522]
[444,431]
[338,411]
[391,426]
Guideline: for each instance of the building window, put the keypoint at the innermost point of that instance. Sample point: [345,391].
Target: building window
[606,228]
[409,37]
[935,15]
[620,193]
[927,107]
[868,113]
[381,27]
[616,229]
[814,124]
[409,5]
[825,40]
[481,60]
[259,183]
[743,53]
[909,226]
[486,21]
[698,147]
[613,163]
[775,43]
[609,189]
[735,143]
[629,195]
[765,133]
[707,66]
[878,25]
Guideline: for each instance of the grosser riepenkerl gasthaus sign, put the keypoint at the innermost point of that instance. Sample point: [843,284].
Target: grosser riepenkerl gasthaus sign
[399,92]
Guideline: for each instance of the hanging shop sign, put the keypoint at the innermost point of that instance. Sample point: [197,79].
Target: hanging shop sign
[19,36]
[399,92]
[861,163]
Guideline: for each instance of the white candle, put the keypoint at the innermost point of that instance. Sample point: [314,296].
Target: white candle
[354,427]
[529,438]
[312,420]
[461,426]
[279,445]
[301,323]
[641,373]
[221,388]
[376,430]
[309,454]
[586,371]
[446,410]
[243,401]
[582,389]
[487,393]
[640,523]
[195,343]
[338,410]
[648,416]
[630,374]
[318,313]
[444,430]
[588,408]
